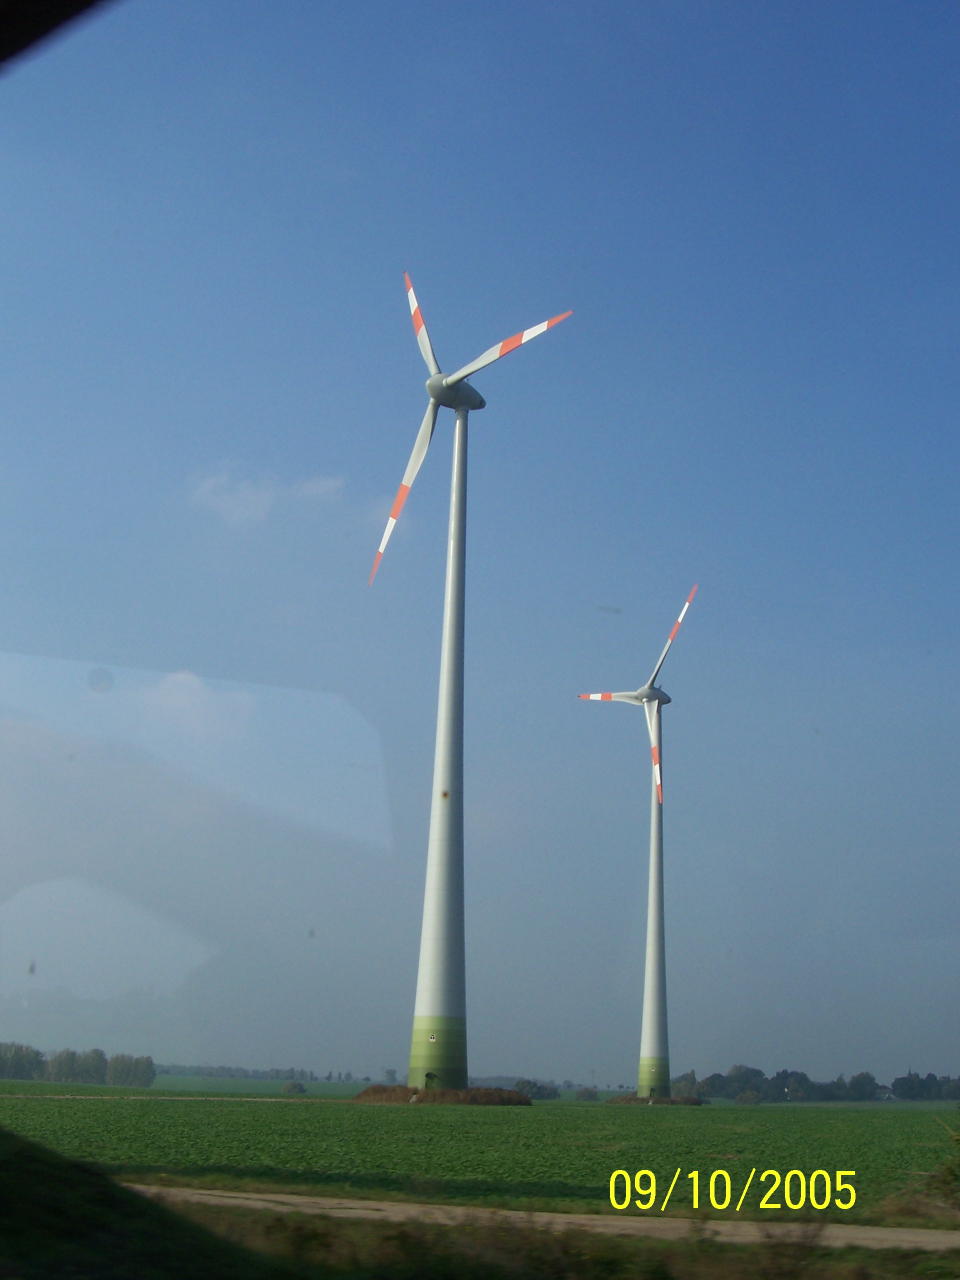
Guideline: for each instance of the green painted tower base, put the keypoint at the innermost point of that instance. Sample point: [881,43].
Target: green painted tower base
[653,1078]
[438,1054]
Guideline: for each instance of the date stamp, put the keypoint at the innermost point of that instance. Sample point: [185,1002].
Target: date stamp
[716,1188]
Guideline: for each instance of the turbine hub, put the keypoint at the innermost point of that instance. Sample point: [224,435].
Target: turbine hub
[460,396]
[650,693]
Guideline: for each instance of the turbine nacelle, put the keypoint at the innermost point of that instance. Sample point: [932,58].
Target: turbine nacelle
[457,395]
[650,693]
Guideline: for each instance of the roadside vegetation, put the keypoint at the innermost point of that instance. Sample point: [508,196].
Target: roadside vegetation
[334,1249]
[61,1218]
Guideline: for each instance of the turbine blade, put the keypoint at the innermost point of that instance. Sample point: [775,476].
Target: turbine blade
[653,725]
[420,446]
[609,697]
[502,349]
[657,776]
[672,636]
[420,329]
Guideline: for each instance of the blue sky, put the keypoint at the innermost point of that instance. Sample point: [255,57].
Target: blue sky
[212,389]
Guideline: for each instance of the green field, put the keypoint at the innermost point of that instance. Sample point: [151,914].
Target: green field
[555,1156]
[250,1088]
[189,1086]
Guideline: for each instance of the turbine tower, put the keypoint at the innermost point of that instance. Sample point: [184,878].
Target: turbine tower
[438,1052]
[653,1072]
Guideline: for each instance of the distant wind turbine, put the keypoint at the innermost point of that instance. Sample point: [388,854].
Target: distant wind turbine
[653,1072]
[438,1053]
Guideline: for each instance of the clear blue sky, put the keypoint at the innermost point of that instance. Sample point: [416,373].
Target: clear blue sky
[216,739]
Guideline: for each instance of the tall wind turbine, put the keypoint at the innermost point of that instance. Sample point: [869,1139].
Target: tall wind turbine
[438,1053]
[653,1072]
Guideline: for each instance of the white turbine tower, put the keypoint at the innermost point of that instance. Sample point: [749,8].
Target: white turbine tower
[653,1072]
[438,1052]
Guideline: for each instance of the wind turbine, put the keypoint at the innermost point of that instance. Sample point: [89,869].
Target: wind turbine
[653,1072]
[438,1053]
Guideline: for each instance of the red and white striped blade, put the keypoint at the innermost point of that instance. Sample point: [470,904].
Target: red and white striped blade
[652,710]
[503,349]
[672,636]
[420,447]
[608,697]
[420,329]
[657,776]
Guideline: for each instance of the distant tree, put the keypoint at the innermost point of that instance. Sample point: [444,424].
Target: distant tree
[92,1067]
[741,1078]
[714,1086]
[909,1086]
[931,1086]
[684,1086]
[124,1069]
[913,1087]
[839,1090]
[62,1066]
[390,1075]
[146,1072]
[347,1077]
[862,1087]
[776,1088]
[120,1069]
[21,1062]
[798,1086]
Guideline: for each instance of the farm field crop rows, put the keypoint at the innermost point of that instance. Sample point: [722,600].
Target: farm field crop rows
[550,1156]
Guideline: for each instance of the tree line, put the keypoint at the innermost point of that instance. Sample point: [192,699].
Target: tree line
[750,1084]
[67,1066]
[240,1073]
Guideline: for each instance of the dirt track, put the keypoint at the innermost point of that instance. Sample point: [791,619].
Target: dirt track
[727,1232]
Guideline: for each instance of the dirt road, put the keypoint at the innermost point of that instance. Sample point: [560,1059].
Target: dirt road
[831,1236]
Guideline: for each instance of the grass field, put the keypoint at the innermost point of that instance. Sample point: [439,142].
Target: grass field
[555,1156]
[250,1088]
[193,1086]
